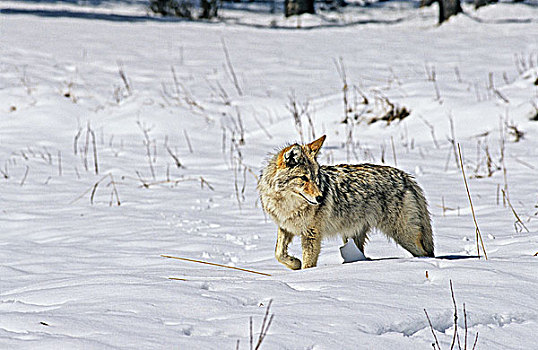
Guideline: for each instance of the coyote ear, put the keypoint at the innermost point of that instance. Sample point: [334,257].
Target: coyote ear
[289,157]
[292,156]
[314,146]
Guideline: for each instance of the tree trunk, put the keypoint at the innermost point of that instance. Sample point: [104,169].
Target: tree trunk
[209,8]
[447,8]
[298,7]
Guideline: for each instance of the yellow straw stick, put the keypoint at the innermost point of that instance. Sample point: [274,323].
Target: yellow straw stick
[177,279]
[213,264]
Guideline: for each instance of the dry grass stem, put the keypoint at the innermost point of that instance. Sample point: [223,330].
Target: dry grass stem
[455,336]
[269,136]
[297,111]
[177,279]
[5,172]
[171,153]
[188,141]
[59,163]
[393,151]
[144,182]
[124,79]
[75,141]
[231,67]
[114,192]
[203,182]
[25,175]
[518,219]
[465,322]
[147,143]
[86,147]
[92,189]
[214,264]
[251,334]
[432,132]
[95,162]
[522,162]
[475,341]
[478,234]
[341,69]
[452,140]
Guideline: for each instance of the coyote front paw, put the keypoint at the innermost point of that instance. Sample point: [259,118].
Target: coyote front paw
[290,261]
[295,264]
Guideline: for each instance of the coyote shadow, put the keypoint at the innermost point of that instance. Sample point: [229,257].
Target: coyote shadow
[441,257]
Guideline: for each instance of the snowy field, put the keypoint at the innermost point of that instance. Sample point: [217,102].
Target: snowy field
[124,137]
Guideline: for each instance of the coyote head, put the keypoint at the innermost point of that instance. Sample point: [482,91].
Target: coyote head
[297,171]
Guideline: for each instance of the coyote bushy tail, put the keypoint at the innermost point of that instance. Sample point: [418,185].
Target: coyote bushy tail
[312,201]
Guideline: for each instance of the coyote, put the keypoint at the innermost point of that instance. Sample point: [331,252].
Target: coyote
[312,201]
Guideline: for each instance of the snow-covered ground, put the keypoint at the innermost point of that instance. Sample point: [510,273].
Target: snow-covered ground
[77,270]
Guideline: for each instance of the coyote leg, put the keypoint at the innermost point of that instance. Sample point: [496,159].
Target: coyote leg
[359,239]
[283,239]
[311,242]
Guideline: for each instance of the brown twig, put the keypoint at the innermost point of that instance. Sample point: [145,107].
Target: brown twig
[478,234]
[475,340]
[214,264]
[94,153]
[265,325]
[455,318]
[251,334]
[433,331]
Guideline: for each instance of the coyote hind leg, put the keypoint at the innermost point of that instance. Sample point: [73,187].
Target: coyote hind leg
[414,237]
[359,239]
[281,250]
[411,226]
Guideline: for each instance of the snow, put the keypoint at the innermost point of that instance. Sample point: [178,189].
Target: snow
[79,271]
[350,252]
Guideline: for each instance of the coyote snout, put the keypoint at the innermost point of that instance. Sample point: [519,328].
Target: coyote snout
[310,192]
[312,201]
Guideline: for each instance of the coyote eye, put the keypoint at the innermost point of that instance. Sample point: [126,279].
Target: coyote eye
[304,178]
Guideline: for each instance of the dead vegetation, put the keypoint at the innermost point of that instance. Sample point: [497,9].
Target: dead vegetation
[456,339]
[392,112]
[360,109]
